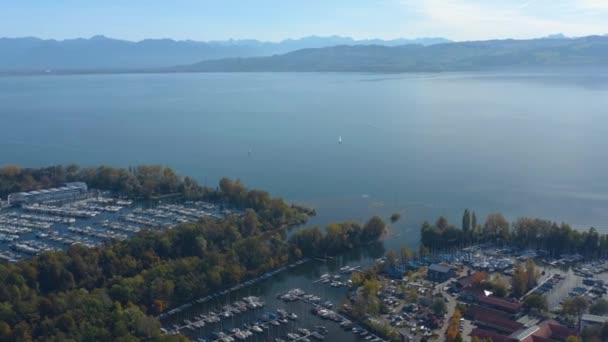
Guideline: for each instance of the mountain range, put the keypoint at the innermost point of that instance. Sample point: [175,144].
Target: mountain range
[337,54]
[100,52]
[476,55]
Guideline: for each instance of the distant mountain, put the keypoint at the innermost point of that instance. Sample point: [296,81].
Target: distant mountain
[99,52]
[554,51]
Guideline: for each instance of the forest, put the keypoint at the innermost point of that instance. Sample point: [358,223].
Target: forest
[114,292]
[539,234]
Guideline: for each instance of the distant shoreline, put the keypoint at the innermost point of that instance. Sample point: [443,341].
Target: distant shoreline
[534,70]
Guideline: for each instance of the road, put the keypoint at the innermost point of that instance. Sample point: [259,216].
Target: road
[451,305]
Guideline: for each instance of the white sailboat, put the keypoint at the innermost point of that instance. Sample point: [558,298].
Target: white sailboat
[339,139]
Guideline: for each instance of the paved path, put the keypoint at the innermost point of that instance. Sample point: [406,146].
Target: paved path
[451,305]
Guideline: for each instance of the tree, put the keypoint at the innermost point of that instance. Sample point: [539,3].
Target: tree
[466,220]
[496,227]
[442,222]
[392,257]
[250,223]
[439,308]
[499,288]
[474,221]
[536,302]
[5,331]
[395,217]
[411,296]
[532,274]
[600,307]
[452,331]
[373,229]
[406,253]
[575,306]
[519,282]
[478,278]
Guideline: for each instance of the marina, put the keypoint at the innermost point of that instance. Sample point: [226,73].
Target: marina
[294,300]
[46,221]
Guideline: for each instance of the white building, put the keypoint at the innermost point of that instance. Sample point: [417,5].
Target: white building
[69,191]
[592,321]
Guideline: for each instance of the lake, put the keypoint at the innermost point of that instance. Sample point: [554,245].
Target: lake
[420,144]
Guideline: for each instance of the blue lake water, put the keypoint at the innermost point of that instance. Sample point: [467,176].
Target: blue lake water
[418,144]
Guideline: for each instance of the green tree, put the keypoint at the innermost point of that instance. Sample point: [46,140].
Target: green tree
[411,295]
[395,217]
[439,308]
[466,220]
[600,307]
[373,229]
[575,306]
[474,221]
[537,302]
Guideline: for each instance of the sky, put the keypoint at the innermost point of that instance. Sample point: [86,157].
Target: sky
[274,20]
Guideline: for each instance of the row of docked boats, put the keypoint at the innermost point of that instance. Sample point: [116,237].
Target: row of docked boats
[227,311]
[66,239]
[233,288]
[590,269]
[549,284]
[249,330]
[32,247]
[100,234]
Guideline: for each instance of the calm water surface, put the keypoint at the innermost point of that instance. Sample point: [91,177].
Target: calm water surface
[423,145]
[420,144]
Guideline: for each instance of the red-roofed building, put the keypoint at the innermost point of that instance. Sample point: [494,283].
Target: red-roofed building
[548,331]
[494,320]
[495,337]
[500,304]
[480,297]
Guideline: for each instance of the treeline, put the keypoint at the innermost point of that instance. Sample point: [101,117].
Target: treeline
[112,293]
[152,181]
[142,182]
[539,234]
[339,237]
[275,212]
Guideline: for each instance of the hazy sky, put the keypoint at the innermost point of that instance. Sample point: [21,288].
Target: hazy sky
[279,19]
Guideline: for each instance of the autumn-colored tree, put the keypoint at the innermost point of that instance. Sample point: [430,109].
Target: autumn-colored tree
[496,227]
[452,332]
[519,282]
[478,279]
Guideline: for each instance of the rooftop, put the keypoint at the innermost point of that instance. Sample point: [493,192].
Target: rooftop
[500,303]
[520,335]
[494,318]
[594,318]
[481,333]
[439,268]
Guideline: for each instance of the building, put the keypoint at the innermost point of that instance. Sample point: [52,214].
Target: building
[440,273]
[485,299]
[547,331]
[592,321]
[493,320]
[69,191]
